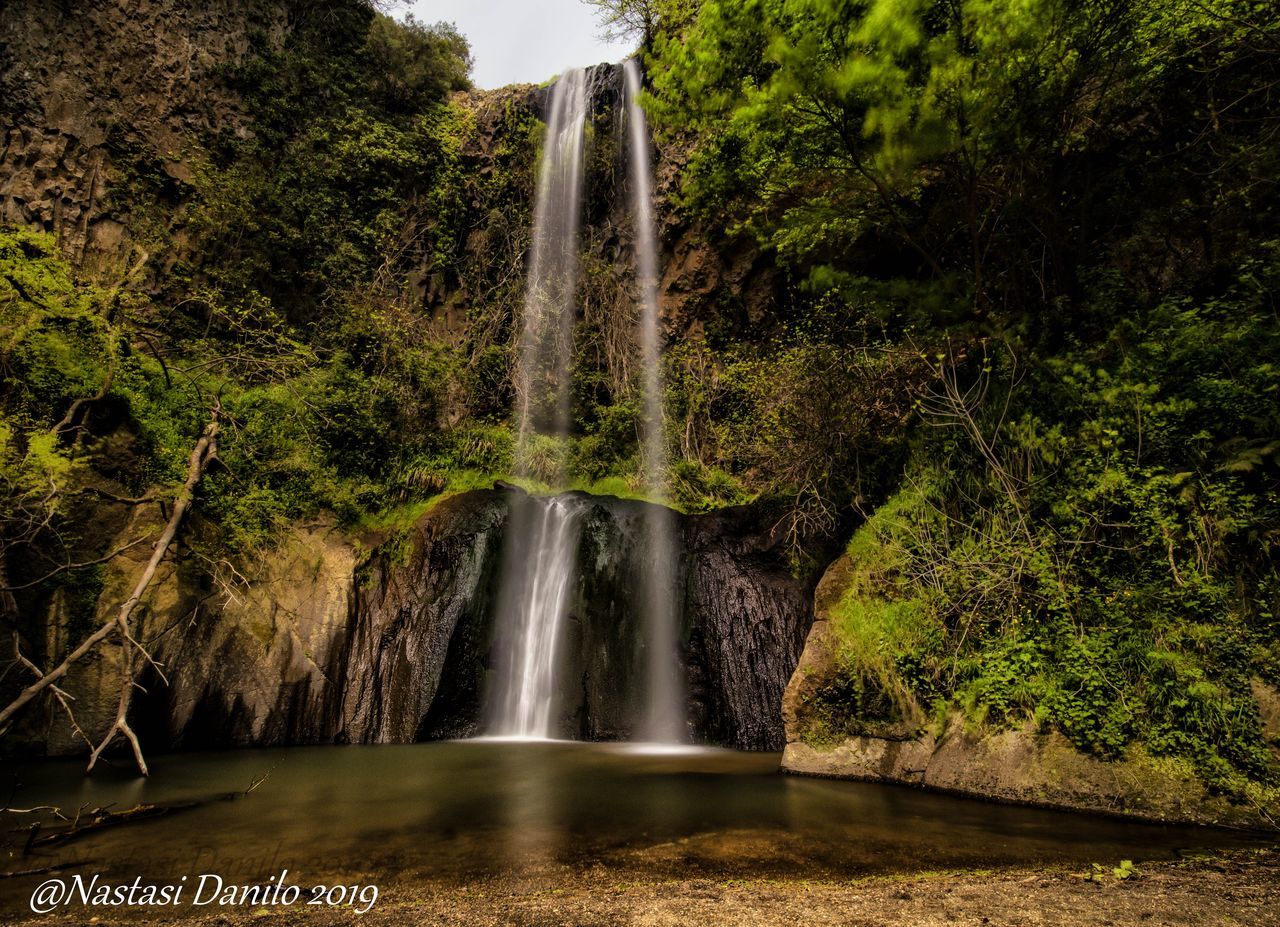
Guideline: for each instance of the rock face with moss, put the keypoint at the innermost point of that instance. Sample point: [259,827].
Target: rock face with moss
[419,610]
[844,721]
[255,663]
[318,644]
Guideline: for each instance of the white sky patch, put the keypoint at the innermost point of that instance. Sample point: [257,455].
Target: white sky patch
[523,41]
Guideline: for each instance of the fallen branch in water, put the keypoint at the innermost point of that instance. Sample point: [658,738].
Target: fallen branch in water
[43,834]
[43,870]
[101,819]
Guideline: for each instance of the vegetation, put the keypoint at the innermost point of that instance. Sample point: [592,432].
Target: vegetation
[259,374]
[1067,212]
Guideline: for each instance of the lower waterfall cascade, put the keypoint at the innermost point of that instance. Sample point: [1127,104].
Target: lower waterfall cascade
[524,703]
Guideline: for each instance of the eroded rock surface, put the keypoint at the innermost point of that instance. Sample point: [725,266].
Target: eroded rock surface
[421,609]
[87,87]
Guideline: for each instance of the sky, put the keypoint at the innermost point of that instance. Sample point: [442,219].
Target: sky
[523,41]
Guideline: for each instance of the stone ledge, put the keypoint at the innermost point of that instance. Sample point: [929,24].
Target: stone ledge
[1029,768]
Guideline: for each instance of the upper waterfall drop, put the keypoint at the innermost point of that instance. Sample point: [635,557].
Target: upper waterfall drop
[664,720]
[546,342]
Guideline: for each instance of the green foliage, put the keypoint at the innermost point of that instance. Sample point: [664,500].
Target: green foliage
[56,346]
[610,443]
[292,309]
[317,218]
[350,128]
[413,64]
[1084,536]
[984,147]
[696,487]
[1107,574]
[804,419]
[54,349]
[640,20]
[1126,870]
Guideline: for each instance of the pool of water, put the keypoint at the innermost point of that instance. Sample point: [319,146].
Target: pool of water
[468,811]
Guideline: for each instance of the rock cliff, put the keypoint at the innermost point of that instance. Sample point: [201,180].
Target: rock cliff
[89,89]
[320,645]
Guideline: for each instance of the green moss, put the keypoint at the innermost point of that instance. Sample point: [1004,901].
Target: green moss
[81,590]
[1085,599]
[850,703]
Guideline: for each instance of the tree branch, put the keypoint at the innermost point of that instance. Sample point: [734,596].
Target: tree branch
[202,454]
[74,566]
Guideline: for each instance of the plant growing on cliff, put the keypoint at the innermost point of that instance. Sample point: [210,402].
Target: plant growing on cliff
[1074,575]
[61,351]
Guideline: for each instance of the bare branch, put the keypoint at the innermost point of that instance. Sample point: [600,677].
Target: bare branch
[202,454]
[66,567]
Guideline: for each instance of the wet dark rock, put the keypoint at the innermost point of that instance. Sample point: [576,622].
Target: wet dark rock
[424,629]
[750,617]
[402,646]
[410,605]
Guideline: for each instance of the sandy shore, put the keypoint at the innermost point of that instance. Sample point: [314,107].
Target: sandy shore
[1238,888]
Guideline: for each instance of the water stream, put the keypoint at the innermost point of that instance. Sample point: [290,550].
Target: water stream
[663,720]
[546,344]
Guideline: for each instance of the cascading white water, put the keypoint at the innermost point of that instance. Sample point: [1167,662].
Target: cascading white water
[663,720]
[542,534]
[540,599]
[546,344]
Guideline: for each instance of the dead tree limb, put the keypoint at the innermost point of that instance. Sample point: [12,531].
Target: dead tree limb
[63,568]
[204,452]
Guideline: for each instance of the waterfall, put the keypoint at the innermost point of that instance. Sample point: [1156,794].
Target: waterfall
[537,598]
[664,700]
[546,344]
[542,534]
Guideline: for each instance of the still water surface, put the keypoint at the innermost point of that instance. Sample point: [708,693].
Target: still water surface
[467,811]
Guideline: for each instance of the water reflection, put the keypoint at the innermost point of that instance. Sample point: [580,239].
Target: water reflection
[460,812]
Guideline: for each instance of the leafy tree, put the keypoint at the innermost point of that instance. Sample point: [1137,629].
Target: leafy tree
[945,127]
[414,65]
[640,19]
